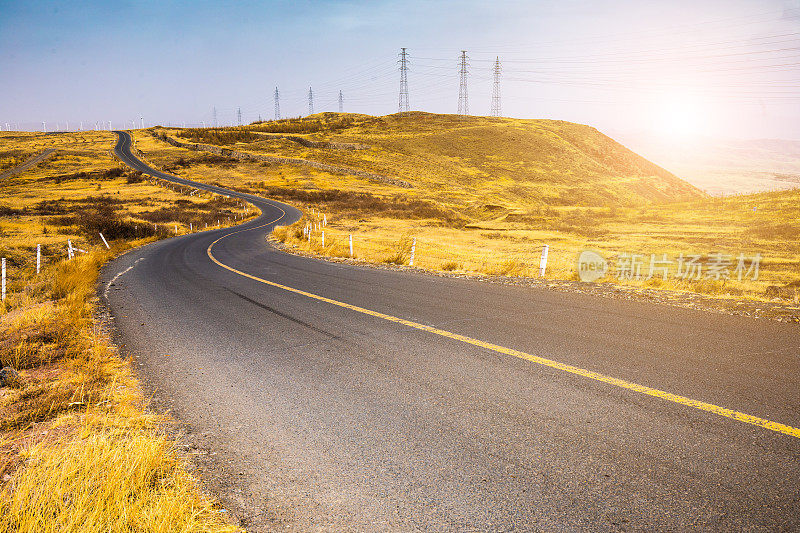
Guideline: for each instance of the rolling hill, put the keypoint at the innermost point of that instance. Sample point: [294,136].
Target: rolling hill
[507,162]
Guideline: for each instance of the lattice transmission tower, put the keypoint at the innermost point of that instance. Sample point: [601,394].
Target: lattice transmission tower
[463,98]
[239,115]
[341,102]
[310,101]
[277,104]
[496,109]
[214,116]
[403,106]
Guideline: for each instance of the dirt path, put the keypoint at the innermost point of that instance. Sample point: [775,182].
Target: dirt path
[29,163]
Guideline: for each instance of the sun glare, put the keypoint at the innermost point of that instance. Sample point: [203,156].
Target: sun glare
[678,117]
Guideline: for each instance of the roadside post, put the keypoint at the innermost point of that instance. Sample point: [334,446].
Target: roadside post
[323,239]
[351,246]
[413,251]
[105,241]
[4,279]
[38,258]
[543,260]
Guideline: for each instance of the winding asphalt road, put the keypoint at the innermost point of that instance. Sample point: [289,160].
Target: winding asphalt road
[352,398]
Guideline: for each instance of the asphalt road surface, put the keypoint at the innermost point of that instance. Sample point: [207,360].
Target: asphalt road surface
[339,397]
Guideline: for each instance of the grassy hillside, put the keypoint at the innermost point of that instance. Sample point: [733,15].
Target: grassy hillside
[79,451]
[508,162]
[489,193]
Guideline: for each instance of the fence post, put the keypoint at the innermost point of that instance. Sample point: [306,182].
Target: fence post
[70,251]
[324,220]
[105,241]
[4,279]
[413,250]
[351,245]
[543,260]
[38,258]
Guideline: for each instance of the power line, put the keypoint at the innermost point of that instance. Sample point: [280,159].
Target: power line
[463,99]
[496,89]
[403,106]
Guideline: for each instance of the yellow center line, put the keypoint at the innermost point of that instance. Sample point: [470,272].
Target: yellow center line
[643,389]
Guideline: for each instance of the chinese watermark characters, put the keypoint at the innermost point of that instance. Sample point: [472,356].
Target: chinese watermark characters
[693,267]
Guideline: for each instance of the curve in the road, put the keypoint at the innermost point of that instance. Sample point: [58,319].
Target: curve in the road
[325,418]
[123,151]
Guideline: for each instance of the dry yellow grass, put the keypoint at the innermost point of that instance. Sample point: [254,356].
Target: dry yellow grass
[79,451]
[83,191]
[490,193]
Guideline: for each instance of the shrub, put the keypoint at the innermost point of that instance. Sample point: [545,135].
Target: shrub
[402,251]
[280,233]
[511,267]
[134,177]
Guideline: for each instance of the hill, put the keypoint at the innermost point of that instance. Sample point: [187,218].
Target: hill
[485,194]
[508,162]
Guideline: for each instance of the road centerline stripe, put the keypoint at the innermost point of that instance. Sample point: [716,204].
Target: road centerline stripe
[628,385]
[596,376]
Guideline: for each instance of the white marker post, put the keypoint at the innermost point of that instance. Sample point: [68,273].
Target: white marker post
[323,239]
[70,251]
[4,279]
[324,220]
[413,250]
[176,229]
[351,246]
[190,227]
[543,260]
[105,241]
[38,258]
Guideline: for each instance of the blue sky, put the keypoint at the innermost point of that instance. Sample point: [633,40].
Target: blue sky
[721,68]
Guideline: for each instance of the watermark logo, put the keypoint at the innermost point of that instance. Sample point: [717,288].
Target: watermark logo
[693,267]
[591,266]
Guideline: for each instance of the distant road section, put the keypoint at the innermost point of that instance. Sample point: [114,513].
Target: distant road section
[350,398]
[29,163]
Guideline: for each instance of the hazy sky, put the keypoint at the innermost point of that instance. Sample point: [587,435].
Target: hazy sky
[677,68]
